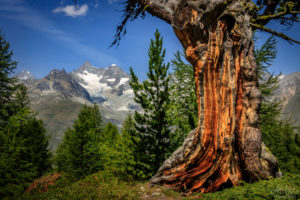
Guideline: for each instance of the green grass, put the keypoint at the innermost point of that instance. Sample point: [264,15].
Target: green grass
[102,185]
[105,185]
[287,187]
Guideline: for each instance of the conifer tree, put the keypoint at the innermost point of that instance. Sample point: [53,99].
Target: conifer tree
[7,83]
[118,151]
[129,145]
[152,126]
[128,132]
[28,128]
[24,153]
[183,104]
[110,134]
[21,99]
[279,135]
[15,172]
[79,154]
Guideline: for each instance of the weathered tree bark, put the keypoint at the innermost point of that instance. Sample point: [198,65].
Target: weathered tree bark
[225,148]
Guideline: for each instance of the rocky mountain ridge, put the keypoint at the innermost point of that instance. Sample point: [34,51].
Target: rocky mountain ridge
[57,97]
[288,93]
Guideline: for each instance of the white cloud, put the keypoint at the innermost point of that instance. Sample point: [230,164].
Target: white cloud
[72,10]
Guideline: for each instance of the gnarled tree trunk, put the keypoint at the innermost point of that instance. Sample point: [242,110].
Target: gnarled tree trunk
[225,148]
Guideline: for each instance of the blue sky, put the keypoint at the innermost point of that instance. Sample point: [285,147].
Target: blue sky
[51,34]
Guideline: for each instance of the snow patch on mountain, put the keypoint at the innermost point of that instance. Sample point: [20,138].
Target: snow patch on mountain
[110,84]
[91,82]
[129,92]
[123,80]
[282,76]
[111,79]
[123,108]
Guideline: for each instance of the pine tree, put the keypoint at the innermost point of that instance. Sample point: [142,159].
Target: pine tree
[183,105]
[110,134]
[79,153]
[129,145]
[118,152]
[279,135]
[152,126]
[28,128]
[21,99]
[24,153]
[7,83]
[15,172]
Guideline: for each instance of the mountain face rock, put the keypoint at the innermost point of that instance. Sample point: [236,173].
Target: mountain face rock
[57,97]
[60,82]
[108,86]
[289,93]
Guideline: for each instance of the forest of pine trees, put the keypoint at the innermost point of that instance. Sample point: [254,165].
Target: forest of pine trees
[137,150]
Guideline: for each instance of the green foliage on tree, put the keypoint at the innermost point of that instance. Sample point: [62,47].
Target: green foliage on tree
[7,83]
[279,135]
[79,154]
[25,125]
[90,147]
[117,150]
[129,145]
[152,126]
[21,99]
[183,104]
[129,140]
[110,134]
[24,153]
[15,172]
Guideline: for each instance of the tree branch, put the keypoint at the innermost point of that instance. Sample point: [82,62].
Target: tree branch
[276,16]
[271,7]
[157,11]
[283,36]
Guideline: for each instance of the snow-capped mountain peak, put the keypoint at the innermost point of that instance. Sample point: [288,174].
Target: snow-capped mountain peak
[107,87]
[25,75]
[111,84]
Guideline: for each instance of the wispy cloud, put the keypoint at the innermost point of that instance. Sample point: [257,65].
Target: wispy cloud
[19,11]
[72,10]
[112,1]
[96,5]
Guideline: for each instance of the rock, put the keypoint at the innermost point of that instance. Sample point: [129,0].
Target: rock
[155,194]
[271,160]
